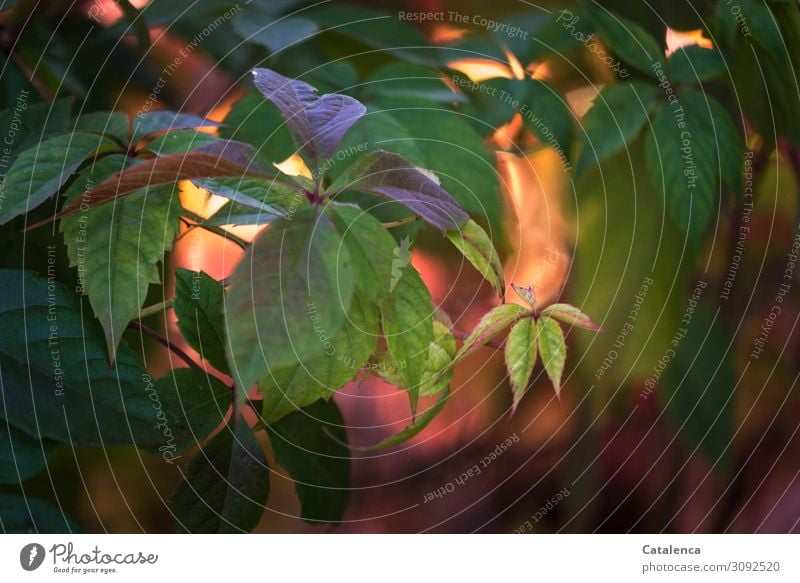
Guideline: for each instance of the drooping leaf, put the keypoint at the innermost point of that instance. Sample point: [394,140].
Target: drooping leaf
[699,388]
[116,248]
[616,118]
[56,380]
[569,314]
[21,456]
[194,403]
[150,122]
[198,306]
[490,325]
[226,485]
[390,175]
[407,322]
[631,43]
[695,64]
[159,171]
[317,123]
[477,247]
[552,348]
[40,171]
[28,515]
[309,444]
[520,355]
[298,267]
[287,390]
[371,249]
[266,197]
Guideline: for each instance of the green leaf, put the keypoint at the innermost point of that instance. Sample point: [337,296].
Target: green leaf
[194,403]
[28,515]
[276,34]
[492,102]
[258,122]
[113,124]
[371,249]
[628,40]
[695,64]
[520,353]
[198,306]
[39,172]
[401,79]
[179,142]
[617,116]
[297,265]
[477,247]
[490,325]
[553,349]
[699,389]
[680,159]
[56,381]
[226,485]
[27,125]
[287,390]
[438,367]
[150,122]
[309,444]
[407,322]
[570,315]
[375,28]
[763,26]
[21,456]
[546,114]
[117,247]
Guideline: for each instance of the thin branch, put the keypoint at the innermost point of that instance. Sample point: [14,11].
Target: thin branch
[400,222]
[166,343]
[156,308]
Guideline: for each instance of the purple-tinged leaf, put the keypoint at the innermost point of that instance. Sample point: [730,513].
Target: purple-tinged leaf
[569,314]
[317,123]
[390,175]
[151,122]
[526,293]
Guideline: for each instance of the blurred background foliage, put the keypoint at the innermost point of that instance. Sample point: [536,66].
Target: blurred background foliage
[649,434]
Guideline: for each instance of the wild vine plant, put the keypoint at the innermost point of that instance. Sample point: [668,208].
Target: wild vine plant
[319,297]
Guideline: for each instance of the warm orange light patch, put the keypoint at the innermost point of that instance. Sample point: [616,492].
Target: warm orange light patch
[677,39]
[532,188]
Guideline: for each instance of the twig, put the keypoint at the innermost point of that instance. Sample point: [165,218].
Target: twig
[400,222]
[166,343]
[156,308]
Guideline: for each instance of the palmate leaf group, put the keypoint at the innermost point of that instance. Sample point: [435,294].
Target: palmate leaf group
[322,296]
